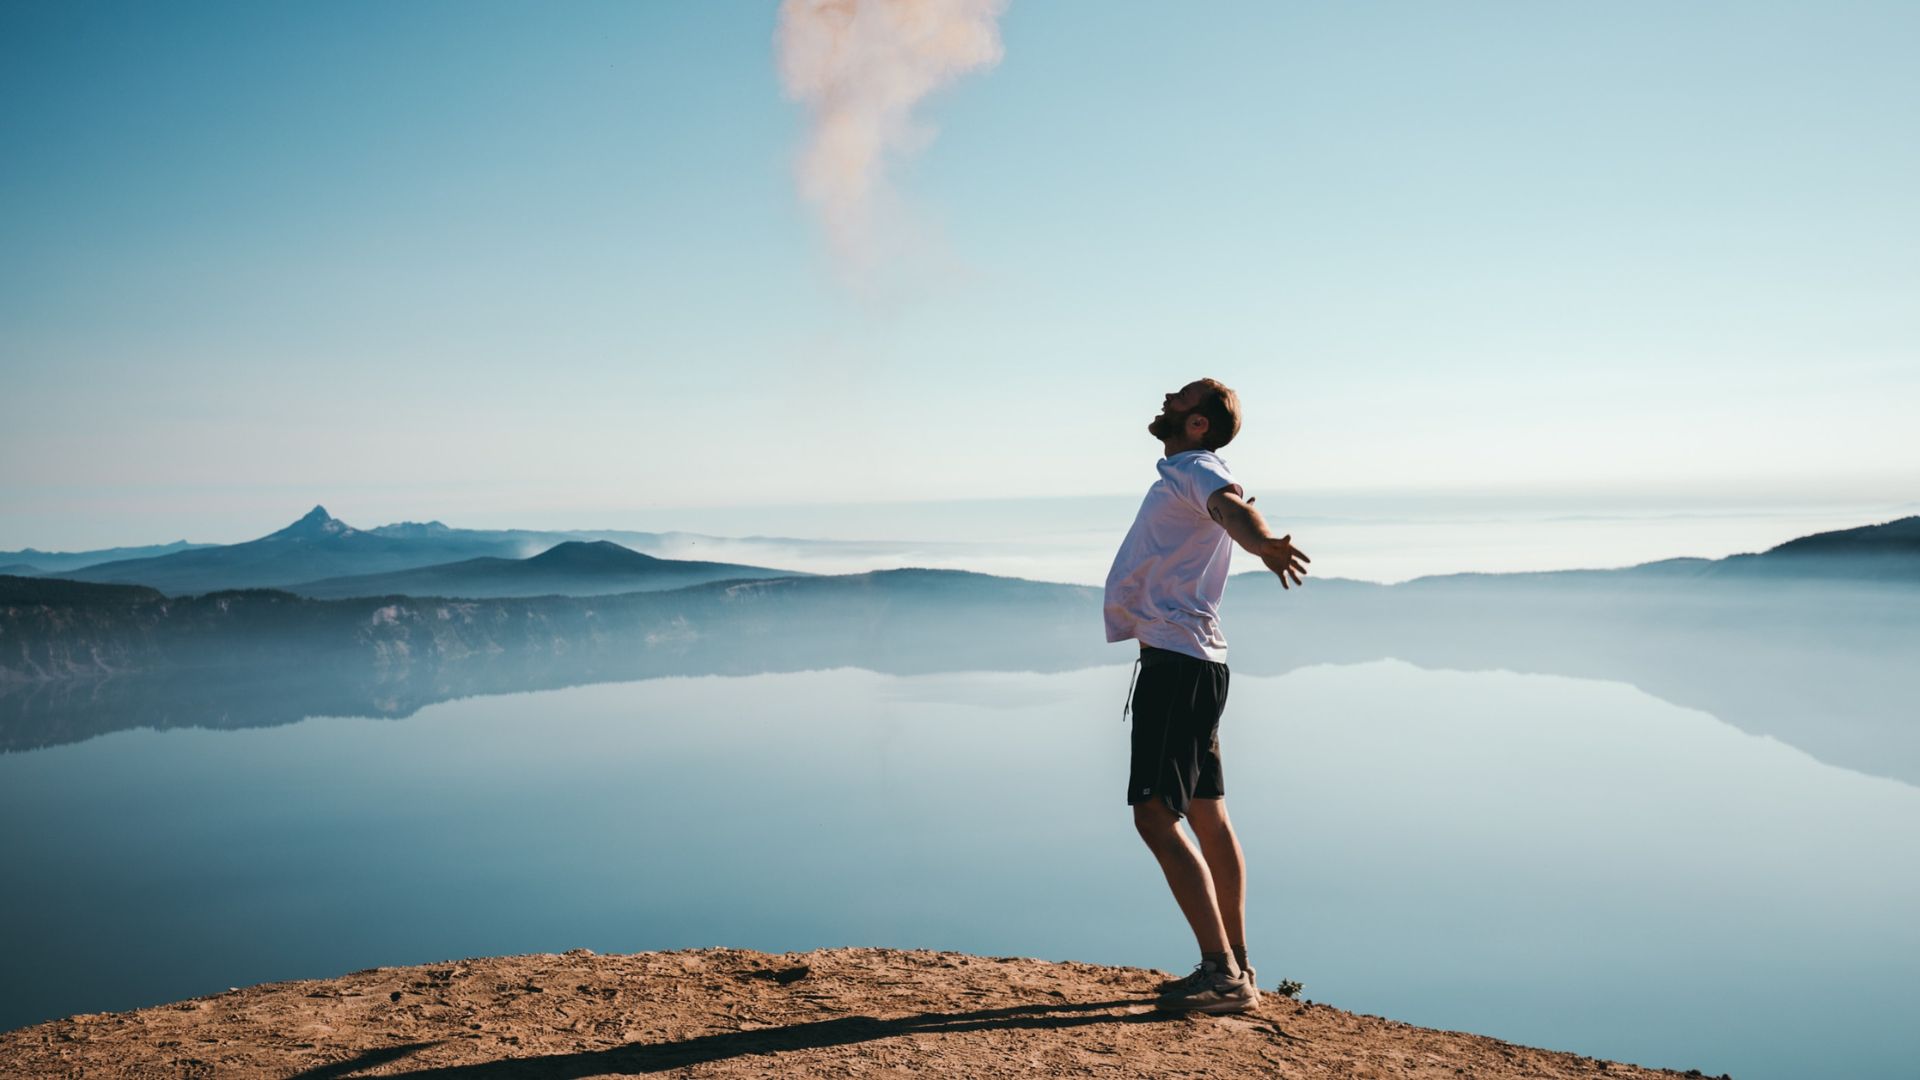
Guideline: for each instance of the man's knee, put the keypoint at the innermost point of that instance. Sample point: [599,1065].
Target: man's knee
[1209,817]
[1154,819]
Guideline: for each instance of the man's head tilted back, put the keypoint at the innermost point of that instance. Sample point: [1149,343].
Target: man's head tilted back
[1202,415]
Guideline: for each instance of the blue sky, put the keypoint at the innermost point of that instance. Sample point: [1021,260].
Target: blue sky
[546,266]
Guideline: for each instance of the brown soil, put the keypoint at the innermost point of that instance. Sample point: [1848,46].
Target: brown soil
[730,1012]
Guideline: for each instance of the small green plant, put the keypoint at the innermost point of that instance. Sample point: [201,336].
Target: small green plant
[1288,988]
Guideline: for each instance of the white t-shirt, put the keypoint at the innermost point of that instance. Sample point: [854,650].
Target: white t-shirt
[1167,579]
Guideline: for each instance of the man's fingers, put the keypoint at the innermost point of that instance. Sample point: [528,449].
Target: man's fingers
[1286,567]
[1296,552]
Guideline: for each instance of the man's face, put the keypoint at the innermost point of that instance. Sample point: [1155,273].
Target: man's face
[1174,410]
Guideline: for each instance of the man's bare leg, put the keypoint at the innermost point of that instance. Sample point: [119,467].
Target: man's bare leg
[1187,875]
[1227,865]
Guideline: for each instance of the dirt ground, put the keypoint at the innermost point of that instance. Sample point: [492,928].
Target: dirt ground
[732,1012]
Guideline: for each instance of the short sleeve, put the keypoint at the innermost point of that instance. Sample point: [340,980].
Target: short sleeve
[1200,476]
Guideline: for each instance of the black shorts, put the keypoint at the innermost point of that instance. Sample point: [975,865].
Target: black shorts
[1176,703]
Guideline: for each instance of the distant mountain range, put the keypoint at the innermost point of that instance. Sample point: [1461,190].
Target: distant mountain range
[250,568]
[1888,552]
[320,555]
[314,547]
[574,568]
[34,561]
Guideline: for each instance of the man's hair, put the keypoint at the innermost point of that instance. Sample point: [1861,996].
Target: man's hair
[1221,407]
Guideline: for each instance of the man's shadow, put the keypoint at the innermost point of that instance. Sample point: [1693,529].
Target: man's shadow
[840,1031]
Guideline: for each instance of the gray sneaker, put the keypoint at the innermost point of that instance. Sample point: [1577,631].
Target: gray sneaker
[1182,984]
[1210,990]
[1186,983]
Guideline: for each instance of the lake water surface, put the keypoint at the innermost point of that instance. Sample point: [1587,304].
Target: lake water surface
[1560,862]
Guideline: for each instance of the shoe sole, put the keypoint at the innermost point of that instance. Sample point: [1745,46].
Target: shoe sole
[1228,1005]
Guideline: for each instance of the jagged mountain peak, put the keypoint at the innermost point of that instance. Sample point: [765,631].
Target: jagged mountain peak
[316,525]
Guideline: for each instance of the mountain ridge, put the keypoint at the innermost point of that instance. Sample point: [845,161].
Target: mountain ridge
[318,546]
[1886,552]
[570,568]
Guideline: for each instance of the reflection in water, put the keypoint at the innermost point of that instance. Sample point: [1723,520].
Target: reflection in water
[1555,861]
[1826,666]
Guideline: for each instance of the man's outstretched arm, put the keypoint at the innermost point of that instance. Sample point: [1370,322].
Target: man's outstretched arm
[1249,530]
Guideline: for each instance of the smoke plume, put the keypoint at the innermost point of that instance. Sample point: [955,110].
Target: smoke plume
[860,67]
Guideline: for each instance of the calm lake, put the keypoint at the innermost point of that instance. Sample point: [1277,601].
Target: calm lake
[1561,862]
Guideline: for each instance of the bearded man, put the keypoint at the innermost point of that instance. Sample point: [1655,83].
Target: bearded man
[1164,591]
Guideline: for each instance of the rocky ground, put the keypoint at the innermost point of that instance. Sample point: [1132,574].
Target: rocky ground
[732,1012]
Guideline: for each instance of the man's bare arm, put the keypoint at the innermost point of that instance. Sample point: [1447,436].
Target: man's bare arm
[1239,518]
[1249,530]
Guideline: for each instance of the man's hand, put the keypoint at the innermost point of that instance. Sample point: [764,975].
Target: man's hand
[1283,558]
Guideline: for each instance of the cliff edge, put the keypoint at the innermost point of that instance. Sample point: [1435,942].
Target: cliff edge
[733,1012]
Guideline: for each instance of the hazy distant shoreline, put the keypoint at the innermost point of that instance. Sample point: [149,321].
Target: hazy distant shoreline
[1378,538]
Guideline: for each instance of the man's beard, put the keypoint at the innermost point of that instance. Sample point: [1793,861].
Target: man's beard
[1167,425]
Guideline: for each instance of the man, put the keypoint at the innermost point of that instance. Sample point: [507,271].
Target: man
[1164,591]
